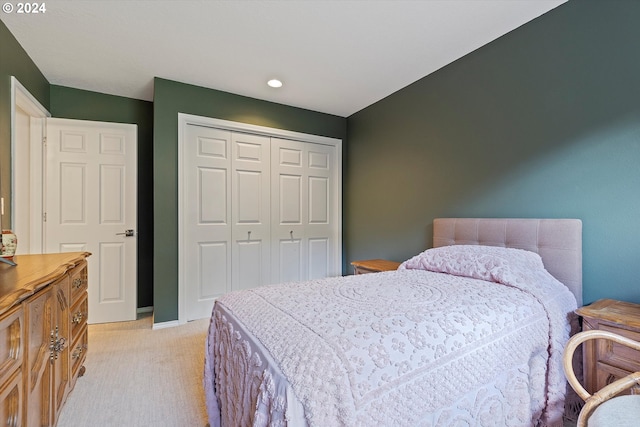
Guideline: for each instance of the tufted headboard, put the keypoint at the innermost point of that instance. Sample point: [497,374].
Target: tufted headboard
[557,241]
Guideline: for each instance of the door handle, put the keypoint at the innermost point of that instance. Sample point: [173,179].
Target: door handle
[127,233]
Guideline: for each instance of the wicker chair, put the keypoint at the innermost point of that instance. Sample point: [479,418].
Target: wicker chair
[605,408]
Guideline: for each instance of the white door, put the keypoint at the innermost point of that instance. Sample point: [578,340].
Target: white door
[226,220]
[250,210]
[90,205]
[207,218]
[257,205]
[304,231]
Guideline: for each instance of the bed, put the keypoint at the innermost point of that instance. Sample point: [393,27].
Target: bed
[470,332]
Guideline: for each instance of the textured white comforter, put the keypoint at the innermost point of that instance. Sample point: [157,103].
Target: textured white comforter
[476,341]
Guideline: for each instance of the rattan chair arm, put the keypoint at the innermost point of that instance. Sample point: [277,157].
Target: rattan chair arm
[578,339]
[606,393]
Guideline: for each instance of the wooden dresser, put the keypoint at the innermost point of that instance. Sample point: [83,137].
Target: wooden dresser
[606,361]
[43,335]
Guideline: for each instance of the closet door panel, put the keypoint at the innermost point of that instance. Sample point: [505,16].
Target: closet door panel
[302,210]
[289,210]
[211,190]
[318,259]
[288,254]
[290,191]
[207,229]
[319,200]
[320,228]
[213,273]
[251,214]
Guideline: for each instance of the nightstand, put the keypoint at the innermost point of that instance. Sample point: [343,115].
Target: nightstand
[606,361]
[374,266]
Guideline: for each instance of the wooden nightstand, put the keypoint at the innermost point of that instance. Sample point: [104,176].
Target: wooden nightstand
[374,266]
[605,361]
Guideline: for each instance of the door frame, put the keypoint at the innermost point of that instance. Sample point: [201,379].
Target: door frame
[189,119]
[34,163]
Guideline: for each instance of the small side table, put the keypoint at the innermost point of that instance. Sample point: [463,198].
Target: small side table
[606,361]
[374,266]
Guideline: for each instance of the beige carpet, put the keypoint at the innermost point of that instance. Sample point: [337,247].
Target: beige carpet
[140,377]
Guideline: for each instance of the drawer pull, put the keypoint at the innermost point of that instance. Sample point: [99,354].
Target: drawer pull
[77,283]
[56,345]
[78,351]
[77,318]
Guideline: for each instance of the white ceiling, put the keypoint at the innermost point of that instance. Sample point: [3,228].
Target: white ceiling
[335,57]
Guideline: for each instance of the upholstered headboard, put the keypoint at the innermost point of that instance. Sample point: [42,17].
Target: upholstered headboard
[557,241]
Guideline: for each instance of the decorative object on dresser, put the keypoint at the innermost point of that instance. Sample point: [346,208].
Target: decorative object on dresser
[43,335]
[605,361]
[8,244]
[608,406]
[374,266]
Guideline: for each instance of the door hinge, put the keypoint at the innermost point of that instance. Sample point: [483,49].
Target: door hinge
[44,217]
[44,140]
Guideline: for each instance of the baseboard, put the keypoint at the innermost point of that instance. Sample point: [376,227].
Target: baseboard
[164,325]
[144,309]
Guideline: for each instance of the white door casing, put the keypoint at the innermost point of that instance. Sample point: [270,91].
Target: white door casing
[21,178]
[90,202]
[27,167]
[245,249]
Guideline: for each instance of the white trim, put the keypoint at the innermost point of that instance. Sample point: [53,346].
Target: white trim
[23,99]
[141,310]
[165,325]
[189,119]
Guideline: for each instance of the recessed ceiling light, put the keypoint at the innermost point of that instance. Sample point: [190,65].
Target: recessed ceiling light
[274,83]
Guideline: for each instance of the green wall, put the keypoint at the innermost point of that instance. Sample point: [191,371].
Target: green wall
[14,61]
[171,98]
[85,105]
[543,122]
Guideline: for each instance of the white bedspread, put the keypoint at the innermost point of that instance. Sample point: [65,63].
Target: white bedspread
[405,348]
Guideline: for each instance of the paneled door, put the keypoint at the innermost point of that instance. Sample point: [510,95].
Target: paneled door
[90,205]
[304,232]
[226,223]
[207,218]
[257,205]
[250,211]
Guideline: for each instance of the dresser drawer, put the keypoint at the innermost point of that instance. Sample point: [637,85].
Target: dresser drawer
[617,355]
[11,400]
[12,342]
[79,281]
[78,355]
[606,361]
[79,313]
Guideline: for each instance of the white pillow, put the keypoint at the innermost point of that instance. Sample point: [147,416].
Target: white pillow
[476,261]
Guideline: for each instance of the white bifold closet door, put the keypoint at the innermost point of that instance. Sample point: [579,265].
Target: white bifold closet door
[227,237]
[302,230]
[258,210]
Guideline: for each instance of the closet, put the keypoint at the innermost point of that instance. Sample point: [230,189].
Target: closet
[258,206]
